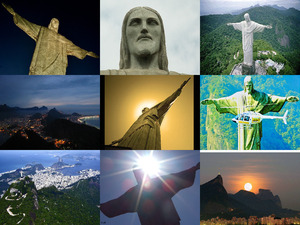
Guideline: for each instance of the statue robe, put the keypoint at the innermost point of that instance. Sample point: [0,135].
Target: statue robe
[51,51]
[249,138]
[247,38]
[155,205]
[137,72]
[144,133]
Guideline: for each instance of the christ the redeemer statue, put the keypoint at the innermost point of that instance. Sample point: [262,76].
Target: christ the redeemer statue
[50,56]
[152,198]
[144,133]
[249,100]
[248,27]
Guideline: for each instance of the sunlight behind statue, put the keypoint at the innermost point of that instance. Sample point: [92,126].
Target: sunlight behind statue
[52,49]
[145,132]
[152,198]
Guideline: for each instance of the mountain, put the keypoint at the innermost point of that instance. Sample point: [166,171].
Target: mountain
[52,115]
[19,204]
[237,12]
[221,45]
[215,201]
[27,140]
[82,136]
[58,165]
[76,205]
[10,112]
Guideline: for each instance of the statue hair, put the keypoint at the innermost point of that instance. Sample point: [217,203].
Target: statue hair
[124,50]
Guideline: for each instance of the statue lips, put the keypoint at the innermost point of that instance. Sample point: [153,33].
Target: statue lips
[144,37]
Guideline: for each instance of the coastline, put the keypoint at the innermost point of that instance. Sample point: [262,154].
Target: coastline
[85,120]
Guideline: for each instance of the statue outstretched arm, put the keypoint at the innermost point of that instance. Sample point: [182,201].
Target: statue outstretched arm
[181,180]
[292,99]
[29,28]
[164,106]
[78,52]
[9,9]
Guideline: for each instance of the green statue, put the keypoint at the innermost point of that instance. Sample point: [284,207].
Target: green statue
[249,100]
[51,52]
[144,133]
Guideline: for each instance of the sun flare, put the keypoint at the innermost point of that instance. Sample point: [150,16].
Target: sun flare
[248,187]
[149,165]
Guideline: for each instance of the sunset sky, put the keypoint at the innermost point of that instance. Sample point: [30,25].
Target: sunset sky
[126,96]
[278,172]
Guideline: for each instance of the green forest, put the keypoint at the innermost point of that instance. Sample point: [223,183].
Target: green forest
[218,132]
[75,205]
[219,42]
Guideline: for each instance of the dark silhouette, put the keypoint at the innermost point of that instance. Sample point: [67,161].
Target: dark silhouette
[154,206]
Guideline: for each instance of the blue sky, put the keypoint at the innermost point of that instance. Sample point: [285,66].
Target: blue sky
[114,183]
[63,92]
[181,23]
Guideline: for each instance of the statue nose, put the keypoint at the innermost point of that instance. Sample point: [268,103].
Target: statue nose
[144,28]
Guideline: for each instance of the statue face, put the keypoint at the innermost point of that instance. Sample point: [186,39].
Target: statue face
[247,17]
[146,109]
[143,33]
[54,24]
[248,87]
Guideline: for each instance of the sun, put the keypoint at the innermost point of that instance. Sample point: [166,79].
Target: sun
[248,187]
[149,165]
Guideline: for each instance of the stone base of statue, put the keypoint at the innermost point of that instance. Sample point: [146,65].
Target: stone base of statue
[242,69]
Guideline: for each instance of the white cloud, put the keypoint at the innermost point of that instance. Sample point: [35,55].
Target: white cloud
[181,21]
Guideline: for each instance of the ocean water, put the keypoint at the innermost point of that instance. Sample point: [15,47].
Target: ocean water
[95,122]
[12,159]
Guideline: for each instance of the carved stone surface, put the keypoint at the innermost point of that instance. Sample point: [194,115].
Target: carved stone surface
[52,49]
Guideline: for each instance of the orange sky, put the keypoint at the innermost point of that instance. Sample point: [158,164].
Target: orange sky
[126,96]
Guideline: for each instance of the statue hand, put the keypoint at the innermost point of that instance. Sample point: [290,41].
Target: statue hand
[269,27]
[184,83]
[207,102]
[229,24]
[92,54]
[292,99]
[9,9]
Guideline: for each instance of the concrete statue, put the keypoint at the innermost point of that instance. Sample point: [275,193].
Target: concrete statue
[248,27]
[144,133]
[152,198]
[52,49]
[249,100]
[143,45]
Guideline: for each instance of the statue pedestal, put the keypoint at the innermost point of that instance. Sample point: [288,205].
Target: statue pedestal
[248,70]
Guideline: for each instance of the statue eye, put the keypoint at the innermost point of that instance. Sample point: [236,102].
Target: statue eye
[135,22]
[152,21]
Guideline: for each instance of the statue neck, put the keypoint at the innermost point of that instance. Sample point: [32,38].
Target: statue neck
[146,62]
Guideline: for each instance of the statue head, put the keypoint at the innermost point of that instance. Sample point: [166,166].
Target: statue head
[247,17]
[248,85]
[54,24]
[146,109]
[143,35]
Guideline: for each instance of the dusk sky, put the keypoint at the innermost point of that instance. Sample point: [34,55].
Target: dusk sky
[278,172]
[117,177]
[228,6]
[66,93]
[126,96]
[79,22]
[181,24]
